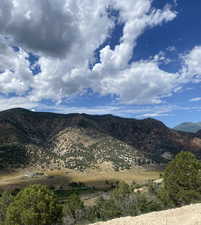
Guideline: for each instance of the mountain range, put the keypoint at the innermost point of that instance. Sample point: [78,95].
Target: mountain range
[78,141]
[189,127]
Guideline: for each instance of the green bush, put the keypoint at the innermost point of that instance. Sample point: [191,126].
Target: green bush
[164,197]
[73,210]
[106,209]
[35,205]
[148,203]
[5,201]
[124,202]
[121,190]
[182,179]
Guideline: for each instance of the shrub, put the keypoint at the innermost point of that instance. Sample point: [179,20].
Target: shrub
[106,209]
[5,201]
[121,190]
[73,210]
[35,205]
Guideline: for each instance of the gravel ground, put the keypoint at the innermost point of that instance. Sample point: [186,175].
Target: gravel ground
[187,215]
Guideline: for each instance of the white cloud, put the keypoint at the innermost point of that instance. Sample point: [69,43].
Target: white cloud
[142,83]
[65,34]
[197,99]
[171,49]
[15,75]
[192,61]
[147,115]
[16,102]
[43,26]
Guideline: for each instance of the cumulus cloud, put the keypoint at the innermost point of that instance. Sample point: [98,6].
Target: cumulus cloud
[142,83]
[15,75]
[44,26]
[65,34]
[192,64]
[16,102]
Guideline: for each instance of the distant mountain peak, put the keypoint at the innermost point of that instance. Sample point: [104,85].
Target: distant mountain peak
[189,127]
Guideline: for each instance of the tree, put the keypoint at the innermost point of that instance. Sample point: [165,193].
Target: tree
[182,179]
[73,209]
[107,209]
[35,205]
[122,190]
[5,201]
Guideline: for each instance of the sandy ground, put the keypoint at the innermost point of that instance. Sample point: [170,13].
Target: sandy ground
[187,215]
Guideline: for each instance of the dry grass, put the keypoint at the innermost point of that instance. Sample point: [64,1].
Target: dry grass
[91,177]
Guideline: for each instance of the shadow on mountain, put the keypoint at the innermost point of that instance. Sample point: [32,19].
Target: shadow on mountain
[13,156]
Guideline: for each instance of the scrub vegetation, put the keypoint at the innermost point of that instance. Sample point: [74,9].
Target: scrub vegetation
[39,205]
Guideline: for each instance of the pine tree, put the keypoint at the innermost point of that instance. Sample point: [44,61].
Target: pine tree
[182,179]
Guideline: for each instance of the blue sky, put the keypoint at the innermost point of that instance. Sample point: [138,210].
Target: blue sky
[132,59]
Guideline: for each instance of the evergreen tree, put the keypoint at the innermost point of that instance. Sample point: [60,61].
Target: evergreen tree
[35,205]
[182,179]
[73,209]
[5,201]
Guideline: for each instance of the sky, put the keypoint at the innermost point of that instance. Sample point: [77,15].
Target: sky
[130,58]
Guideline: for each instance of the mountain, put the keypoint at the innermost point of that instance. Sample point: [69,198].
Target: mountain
[198,134]
[78,141]
[189,127]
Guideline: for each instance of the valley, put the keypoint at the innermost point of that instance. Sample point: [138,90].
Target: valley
[90,184]
[91,157]
[90,178]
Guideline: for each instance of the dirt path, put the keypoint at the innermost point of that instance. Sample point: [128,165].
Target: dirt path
[187,215]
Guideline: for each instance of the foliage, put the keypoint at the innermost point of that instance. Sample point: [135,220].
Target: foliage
[106,209]
[148,203]
[35,205]
[121,191]
[5,201]
[124,202]
[182,179]
[164,197]
[73,209]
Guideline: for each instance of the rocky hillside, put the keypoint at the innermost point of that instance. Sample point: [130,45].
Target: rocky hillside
[78,141]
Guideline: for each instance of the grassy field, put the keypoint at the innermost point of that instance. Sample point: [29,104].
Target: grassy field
[61,179]
[90,184]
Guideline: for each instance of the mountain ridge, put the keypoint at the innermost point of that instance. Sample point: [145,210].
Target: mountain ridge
[78,141]
[189,127]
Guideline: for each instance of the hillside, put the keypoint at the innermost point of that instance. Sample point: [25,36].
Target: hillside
[189,127]
[187,215]
[78,141]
